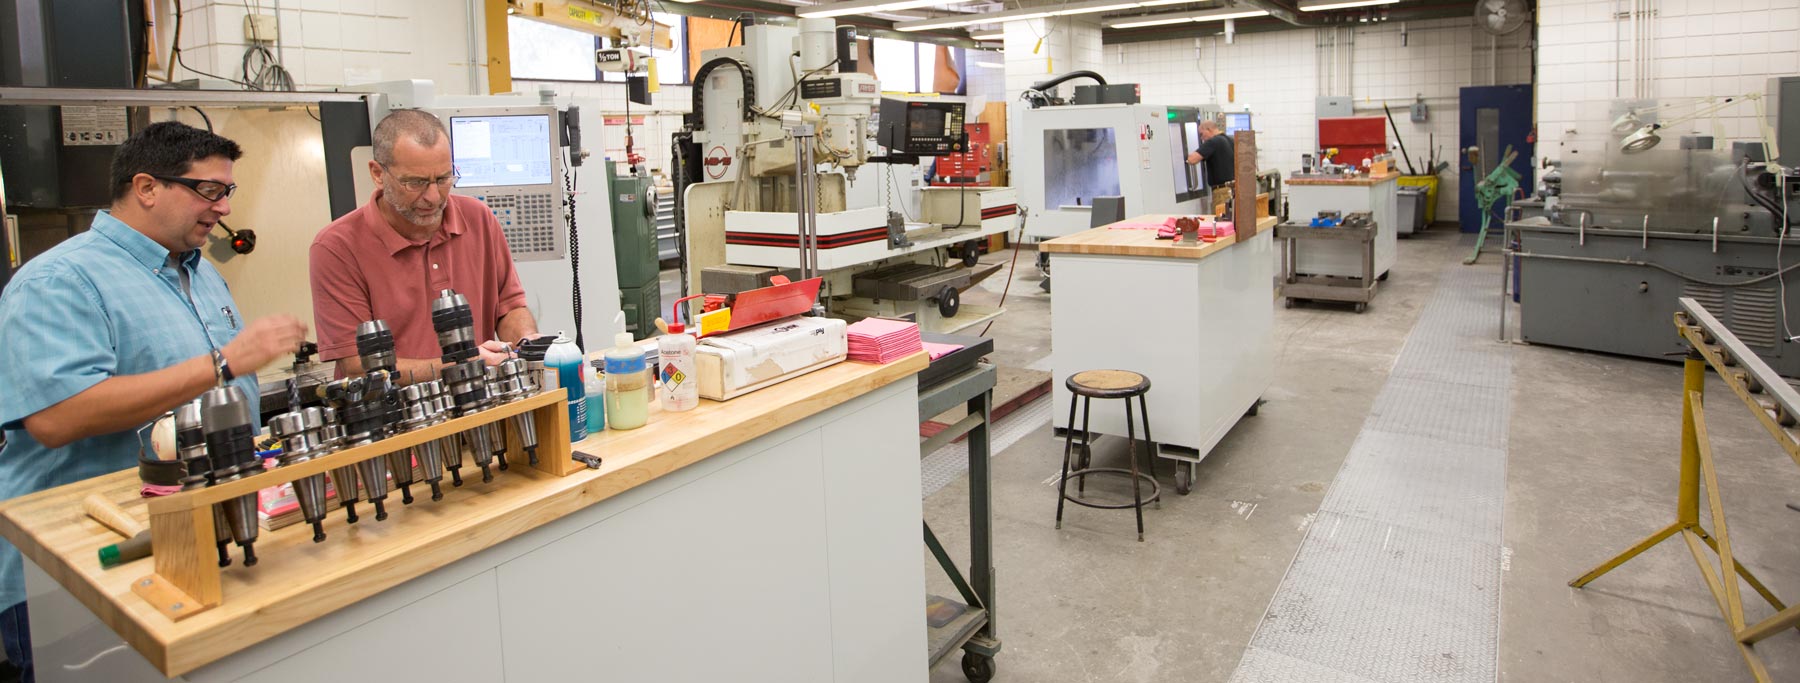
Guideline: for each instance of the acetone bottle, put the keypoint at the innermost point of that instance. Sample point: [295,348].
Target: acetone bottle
[680,390]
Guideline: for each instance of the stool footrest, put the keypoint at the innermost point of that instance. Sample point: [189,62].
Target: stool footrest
[1155,489]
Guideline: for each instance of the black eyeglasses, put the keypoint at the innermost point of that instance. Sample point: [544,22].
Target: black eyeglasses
[209,190]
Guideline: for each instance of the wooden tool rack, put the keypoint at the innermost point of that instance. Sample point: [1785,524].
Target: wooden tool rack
[187,579]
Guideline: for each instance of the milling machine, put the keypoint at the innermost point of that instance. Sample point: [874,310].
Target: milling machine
[766,175]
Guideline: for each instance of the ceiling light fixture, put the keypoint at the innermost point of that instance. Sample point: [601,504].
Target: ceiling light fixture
[1322,5]
[990,65]
[987,35]
[838,9]
[1182,18]
[1073,8]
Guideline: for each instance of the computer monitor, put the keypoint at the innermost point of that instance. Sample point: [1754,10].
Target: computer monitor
[508,150]
[1236,121]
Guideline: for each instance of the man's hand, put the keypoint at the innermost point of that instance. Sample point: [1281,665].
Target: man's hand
[1193,158]
[263,341]
[495,352]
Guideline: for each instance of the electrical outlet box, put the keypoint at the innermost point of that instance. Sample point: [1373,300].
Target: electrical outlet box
[260,28]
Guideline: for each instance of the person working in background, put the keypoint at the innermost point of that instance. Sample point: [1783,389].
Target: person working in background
[390,257]
[1215,150]
[118,325]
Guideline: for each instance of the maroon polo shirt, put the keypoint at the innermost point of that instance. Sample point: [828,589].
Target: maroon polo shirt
[363,270]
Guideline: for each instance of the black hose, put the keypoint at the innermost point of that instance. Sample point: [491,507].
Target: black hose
[698,117]
[1072,75]
[686,156]
[1768,203]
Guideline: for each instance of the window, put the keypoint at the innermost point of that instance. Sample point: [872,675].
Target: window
[913,67]
[546,52]
[543,51]
[896,64]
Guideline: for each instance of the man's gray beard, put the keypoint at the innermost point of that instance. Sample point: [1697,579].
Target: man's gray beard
[411,215]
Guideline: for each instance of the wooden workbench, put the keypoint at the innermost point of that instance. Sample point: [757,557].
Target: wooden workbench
[1195,320]
[1361,180]
[299,582]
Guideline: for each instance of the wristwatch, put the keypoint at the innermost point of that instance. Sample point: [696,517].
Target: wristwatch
[221,369]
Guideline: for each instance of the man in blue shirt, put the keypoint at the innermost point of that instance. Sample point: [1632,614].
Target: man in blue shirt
[118,325]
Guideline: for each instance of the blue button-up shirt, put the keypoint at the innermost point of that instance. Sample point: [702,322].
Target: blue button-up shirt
[101,304]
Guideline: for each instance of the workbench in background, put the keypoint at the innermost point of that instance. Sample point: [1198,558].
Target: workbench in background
[1197,321]
[1378,195]
[740,541]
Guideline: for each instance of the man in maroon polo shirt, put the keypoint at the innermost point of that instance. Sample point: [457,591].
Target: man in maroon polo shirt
[390,257]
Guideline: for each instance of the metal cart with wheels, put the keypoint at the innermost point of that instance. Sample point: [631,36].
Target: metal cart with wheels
[1295,286]
[962,378]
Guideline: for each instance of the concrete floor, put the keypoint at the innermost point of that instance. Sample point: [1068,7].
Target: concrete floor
[1591,468]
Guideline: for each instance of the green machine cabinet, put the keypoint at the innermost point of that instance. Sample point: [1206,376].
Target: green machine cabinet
[634,249]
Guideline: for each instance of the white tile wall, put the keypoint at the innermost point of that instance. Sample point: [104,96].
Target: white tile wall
[1039,48]
[332,43]
[1701,48]
[1277,76]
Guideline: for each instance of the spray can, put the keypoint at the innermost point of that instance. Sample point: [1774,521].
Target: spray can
[564,357]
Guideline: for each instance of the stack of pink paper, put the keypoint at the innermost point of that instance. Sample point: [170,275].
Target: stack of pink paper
[879,340]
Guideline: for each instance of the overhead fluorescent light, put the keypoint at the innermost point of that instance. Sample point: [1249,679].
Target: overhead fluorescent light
[1090,7]
[990,65]
[987,35]
[1094,10]
[1182,18]
[838,9]
[1322,5]
[973,19]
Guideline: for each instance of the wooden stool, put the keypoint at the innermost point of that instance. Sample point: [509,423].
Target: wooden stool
[1105,384]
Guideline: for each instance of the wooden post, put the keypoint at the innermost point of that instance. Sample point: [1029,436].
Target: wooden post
[1243,184]
[499,47]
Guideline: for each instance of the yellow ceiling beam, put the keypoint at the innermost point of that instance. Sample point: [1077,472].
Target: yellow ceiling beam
[597,18]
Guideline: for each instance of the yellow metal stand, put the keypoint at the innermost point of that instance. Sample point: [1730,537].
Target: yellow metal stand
[1708,348]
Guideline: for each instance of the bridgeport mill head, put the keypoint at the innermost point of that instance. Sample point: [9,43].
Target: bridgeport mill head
[304,437]
[231,443]
[422,411]
[190,445]
[465,376]
[516,382]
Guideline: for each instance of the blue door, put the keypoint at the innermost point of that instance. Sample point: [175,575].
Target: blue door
[1493,117]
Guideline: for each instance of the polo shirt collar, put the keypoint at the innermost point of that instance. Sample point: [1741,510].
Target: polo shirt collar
[141,248]
[391,239]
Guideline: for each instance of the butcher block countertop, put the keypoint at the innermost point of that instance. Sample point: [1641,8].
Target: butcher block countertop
[1105,241]
[298,581]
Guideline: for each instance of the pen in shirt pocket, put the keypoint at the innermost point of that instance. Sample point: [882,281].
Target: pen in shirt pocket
[229,317]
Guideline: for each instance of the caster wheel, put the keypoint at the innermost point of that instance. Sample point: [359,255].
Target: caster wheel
[1360,307]
[978,668]
[1252,411]
[1183,482]
[1383,277]
[1287,303]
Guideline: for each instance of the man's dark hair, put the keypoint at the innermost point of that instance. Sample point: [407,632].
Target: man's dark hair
[167,148]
